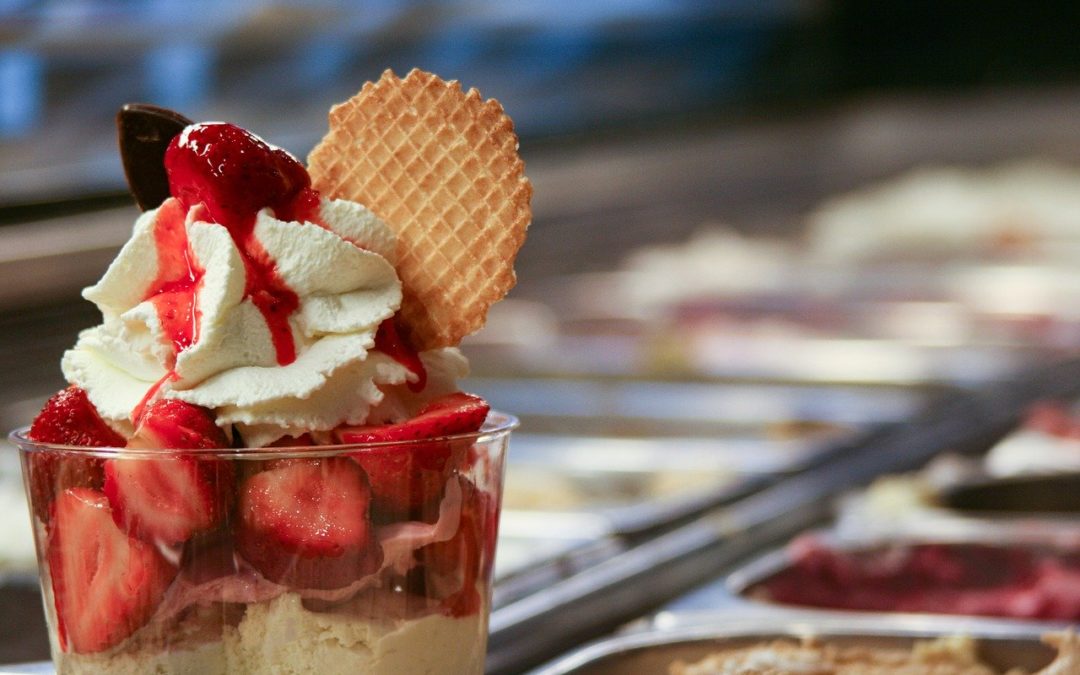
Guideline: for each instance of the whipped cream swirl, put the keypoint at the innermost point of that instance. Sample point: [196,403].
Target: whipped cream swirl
[341,269]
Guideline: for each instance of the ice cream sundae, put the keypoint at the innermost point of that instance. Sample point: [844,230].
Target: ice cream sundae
[263,461]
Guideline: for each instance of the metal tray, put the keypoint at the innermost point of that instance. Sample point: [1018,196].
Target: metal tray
[525,538]
[539,549]
[638,485]
[1001,645]
[935,523]
[648,454]
[740,582]
[634,484]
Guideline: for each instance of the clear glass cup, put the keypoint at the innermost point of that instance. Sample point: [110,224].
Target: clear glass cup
[368,558]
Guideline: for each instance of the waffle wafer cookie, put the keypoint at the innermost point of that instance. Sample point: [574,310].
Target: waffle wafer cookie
[441,167]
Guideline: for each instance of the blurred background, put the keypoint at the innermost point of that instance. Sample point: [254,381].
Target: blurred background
[759,225]
[642,122]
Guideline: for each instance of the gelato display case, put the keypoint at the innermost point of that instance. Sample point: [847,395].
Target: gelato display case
[971,571]
[794,381]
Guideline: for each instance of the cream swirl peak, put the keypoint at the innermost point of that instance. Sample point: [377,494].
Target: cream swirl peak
[246,293]
[344,292]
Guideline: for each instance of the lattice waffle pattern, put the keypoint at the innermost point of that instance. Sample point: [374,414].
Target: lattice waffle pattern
[441,167]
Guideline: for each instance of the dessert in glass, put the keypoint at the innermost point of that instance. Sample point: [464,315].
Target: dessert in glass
[263,461]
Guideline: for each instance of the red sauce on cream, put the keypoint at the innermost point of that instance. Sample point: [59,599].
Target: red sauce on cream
[234,174]
[178,279]
[389,341]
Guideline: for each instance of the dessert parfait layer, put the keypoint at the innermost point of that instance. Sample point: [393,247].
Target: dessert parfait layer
[313,559]
[262,463]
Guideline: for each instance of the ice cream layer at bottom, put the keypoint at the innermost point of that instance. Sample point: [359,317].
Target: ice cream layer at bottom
[280,637]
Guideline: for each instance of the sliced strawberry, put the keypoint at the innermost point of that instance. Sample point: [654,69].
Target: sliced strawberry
[235,174]
[456,413]
[454,567]
[68,418]
[407,478]
[105,584]
[50,472]
[177,425]
[169,499]
[305,524]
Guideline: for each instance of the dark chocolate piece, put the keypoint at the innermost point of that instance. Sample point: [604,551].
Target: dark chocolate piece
[143,132]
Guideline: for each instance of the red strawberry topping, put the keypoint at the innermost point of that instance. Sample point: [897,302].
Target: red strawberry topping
[105,584]
[406,478]
[68,418]
[177,283]
[234,173]
[304,523]
[456,413]
[454,566]
[169,499]
[177,425]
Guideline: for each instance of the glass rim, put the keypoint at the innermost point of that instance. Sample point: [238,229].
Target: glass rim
[497,426]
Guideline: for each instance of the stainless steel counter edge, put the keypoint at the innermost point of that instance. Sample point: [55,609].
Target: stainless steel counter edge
[791,623]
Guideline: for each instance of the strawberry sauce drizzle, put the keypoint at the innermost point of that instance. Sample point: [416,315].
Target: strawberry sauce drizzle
[263,285]
[234,174]
[389,341]
[303,208]
[275,300]
[138,410]
[178,279]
